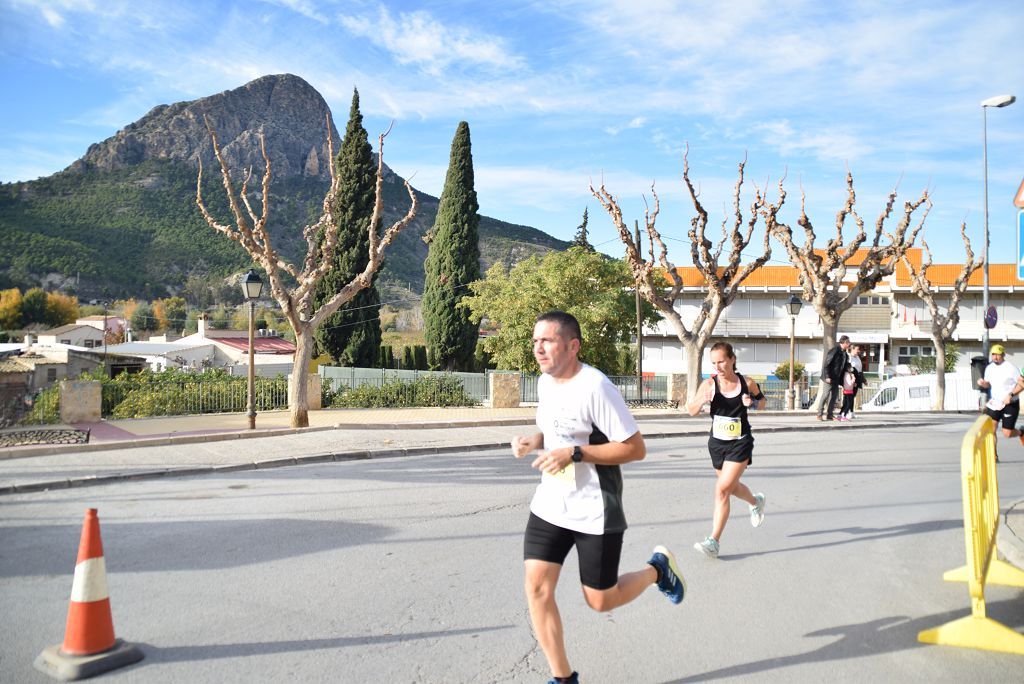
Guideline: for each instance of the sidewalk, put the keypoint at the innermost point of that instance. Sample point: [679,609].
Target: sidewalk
[149,448]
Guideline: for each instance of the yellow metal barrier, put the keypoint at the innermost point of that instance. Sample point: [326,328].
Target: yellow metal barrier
[981,520]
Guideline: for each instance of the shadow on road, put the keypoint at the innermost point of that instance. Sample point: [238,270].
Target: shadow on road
[174,654]
[885,635]
[857,535]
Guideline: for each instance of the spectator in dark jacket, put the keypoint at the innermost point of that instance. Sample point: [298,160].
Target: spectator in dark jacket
[832,375]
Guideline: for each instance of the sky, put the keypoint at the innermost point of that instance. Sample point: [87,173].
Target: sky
[560,94]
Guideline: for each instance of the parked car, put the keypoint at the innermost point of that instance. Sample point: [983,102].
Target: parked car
[917,393]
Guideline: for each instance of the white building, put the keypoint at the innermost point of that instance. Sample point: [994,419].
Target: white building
[890,323]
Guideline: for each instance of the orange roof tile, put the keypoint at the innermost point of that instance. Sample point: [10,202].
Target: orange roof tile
[940,275]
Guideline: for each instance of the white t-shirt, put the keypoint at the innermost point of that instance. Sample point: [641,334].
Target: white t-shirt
[587,497]
[1003,377]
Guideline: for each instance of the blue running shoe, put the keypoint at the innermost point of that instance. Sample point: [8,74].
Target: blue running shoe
[574,678]
[670,580]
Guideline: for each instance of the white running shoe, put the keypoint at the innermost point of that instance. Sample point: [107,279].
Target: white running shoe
[757,510]
[709,547]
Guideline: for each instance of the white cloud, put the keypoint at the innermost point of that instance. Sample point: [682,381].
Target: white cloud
[636,122]
[417,38]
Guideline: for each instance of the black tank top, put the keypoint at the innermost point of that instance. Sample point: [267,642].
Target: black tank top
[730,407]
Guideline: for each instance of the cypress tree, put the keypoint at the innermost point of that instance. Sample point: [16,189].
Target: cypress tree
[581,234]
[351,336]
[453,262]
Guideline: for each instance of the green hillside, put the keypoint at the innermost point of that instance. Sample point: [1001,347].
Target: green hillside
[136,232]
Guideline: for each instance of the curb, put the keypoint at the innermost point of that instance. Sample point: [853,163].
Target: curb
[1007,542]
[170,439]
[342,456]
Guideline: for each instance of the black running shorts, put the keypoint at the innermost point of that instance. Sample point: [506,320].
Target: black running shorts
[598,554]
[1007,417]
[739,450]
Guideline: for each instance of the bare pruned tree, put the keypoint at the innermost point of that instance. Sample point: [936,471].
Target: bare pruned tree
[720,281]
[292,288]
[823,272]
[944,322]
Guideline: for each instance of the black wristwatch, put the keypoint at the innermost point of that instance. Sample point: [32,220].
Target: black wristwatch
[577,454]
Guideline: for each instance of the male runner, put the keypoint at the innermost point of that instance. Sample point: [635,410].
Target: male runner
[1000,379]
[586,432]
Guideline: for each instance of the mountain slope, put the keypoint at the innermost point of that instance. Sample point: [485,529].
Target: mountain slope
[122,220]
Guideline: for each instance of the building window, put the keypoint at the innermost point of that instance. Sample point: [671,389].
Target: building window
[907,353]
[65,341]
[51,374]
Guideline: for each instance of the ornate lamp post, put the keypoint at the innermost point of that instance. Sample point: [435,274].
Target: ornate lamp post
[252,288]
[793,305]
[997,101]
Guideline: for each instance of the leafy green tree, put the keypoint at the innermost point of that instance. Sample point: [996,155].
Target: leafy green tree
[581,234]
[926,364]
[143,318]
[586,284]
[351,336]
[33,307]
[453,262]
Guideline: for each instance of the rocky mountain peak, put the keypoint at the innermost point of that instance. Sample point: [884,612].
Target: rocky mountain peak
[289,111]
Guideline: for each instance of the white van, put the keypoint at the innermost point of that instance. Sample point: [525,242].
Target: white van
[917,393]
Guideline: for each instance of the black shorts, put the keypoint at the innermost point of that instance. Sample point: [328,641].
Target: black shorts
[1008,416]
[737,450]
[598,553]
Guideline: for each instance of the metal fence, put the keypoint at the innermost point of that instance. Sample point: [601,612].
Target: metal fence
[654,388]
[19,407]
[334,379]
[806,392]
[192,397]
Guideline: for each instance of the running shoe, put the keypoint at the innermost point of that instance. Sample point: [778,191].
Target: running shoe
[757,510]
[574,678]
[670,580]
[709,547]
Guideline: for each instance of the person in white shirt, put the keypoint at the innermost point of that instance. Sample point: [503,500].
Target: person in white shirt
[1000,379]
[586,433]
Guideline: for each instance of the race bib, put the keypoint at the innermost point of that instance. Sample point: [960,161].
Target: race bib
[726,427]
[565,477]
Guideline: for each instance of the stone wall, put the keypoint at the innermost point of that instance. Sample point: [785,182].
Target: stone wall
[505,390]
[81,401]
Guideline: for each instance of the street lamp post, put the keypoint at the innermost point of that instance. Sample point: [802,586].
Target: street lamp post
[793,305]
[252,288]
[997,101]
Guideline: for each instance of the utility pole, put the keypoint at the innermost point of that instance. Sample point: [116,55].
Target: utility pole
[639,326]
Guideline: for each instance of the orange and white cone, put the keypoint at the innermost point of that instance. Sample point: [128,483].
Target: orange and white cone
[89,646]
[90,626]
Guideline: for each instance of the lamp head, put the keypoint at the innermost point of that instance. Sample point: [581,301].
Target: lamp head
[794,305]
[999,101]
[252,286]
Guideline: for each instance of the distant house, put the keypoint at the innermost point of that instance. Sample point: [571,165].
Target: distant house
[209,348]
[47,366]
[112,324]
[74,335]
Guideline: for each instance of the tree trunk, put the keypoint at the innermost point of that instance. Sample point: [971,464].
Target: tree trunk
[940,372]
[297,384]
[694,352]
[830,326]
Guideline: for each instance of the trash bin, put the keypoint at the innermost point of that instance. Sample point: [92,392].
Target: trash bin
[978,364]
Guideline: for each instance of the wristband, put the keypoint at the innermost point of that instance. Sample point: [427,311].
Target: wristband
[757,397]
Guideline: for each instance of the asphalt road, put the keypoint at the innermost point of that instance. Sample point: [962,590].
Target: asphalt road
[409,570]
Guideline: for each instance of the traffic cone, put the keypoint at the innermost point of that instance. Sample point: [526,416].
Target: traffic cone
[89,647]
